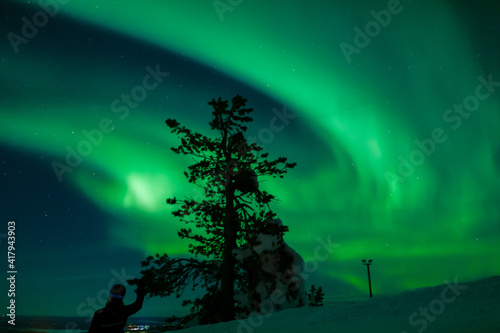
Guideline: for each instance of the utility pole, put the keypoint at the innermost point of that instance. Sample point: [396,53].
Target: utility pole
[368,268]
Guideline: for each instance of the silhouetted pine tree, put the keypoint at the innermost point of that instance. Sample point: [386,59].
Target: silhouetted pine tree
[230,212]
[316,296]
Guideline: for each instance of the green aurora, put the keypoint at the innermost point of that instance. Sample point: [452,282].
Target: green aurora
[437,221]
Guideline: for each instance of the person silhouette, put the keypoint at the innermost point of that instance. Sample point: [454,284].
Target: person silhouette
[113,317]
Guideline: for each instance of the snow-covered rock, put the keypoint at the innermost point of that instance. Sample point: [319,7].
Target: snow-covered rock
[287,290]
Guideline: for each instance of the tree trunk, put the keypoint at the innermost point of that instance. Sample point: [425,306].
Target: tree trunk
[227,278]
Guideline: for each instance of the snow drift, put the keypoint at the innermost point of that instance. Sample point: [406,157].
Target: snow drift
[454,306]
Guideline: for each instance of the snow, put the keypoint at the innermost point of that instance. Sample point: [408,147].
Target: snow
[454,306]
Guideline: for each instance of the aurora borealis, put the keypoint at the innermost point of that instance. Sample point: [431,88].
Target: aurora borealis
[397,145]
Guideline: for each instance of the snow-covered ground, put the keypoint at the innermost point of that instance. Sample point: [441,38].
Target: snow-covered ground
[452,307]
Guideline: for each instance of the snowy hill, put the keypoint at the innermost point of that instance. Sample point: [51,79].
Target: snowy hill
[452,307]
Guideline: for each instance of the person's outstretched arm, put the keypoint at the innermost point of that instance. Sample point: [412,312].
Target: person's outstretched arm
[137,305]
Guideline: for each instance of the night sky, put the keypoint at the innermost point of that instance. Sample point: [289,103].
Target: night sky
[394,129]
